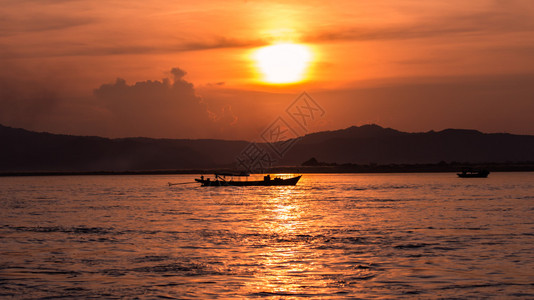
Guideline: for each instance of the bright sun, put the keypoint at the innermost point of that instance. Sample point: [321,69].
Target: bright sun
[283,63]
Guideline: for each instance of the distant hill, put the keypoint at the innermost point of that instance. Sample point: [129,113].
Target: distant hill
[374,144]
[26,151]
[23,151]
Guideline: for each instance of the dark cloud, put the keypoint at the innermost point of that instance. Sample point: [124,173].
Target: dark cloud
[221,42]
[166,108]
[66,49]
[216,84]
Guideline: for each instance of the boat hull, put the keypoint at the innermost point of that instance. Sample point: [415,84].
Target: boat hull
[273,182]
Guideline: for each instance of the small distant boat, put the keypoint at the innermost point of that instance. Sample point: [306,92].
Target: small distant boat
[220,180]
[471,173]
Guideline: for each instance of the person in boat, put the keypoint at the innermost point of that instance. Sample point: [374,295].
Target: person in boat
[267,177]
[201,177]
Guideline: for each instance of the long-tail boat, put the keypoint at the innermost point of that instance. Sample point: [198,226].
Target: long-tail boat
[472,173]
[220,180]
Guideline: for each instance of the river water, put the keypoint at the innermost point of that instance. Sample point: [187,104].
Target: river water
[338,236]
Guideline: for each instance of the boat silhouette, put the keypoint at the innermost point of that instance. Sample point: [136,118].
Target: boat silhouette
[220,180]
[472,173]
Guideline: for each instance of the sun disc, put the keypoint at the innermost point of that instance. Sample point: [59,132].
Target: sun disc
[283,63]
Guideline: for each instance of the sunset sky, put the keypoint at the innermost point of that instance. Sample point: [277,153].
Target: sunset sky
[194,69]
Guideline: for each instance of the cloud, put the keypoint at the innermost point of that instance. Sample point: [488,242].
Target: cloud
[166,108]
[221,42]
[216,84]
[200,44]
[131,47]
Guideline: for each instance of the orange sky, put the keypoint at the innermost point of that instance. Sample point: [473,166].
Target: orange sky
[185,68]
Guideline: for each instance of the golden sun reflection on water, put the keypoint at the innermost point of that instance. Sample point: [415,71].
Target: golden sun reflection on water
[288,264]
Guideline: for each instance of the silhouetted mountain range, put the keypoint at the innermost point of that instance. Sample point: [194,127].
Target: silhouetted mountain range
[374,144]
[26,151]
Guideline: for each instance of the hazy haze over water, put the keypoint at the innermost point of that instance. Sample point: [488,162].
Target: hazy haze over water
[331,236]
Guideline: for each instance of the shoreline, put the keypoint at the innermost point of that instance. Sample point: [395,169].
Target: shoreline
[345,168]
